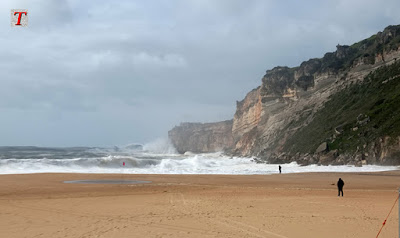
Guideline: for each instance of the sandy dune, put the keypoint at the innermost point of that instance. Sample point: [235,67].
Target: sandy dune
[287,205]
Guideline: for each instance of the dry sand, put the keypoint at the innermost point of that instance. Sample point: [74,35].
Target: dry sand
[287,205]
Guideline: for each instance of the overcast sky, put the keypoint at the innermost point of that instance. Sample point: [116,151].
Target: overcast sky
[103,73]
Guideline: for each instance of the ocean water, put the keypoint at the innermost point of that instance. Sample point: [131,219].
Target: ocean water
[154,158]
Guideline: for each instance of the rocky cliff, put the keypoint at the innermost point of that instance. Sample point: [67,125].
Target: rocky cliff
[298,114]
[202,137]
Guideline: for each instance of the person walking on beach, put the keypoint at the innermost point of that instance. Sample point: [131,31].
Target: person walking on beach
[340,185]
[280,169]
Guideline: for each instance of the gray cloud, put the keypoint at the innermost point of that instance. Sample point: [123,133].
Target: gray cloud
[104,72]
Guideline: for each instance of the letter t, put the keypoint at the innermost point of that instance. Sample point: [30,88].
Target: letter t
[19,17]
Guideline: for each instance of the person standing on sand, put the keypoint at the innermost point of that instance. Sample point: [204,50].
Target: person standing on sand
[280,169]
[340,185]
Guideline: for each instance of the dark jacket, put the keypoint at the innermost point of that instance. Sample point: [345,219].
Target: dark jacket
[340,183]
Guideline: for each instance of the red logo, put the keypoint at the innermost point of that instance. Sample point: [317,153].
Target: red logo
[19,17]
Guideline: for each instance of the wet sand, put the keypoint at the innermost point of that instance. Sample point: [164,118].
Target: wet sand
[287,205]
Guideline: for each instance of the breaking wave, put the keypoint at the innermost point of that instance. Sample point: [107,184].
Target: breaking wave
[154,158]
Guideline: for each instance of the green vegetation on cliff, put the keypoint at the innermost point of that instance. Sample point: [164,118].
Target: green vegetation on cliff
[356,116]
[365,50]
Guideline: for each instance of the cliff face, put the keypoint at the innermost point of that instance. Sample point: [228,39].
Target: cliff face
[202,137]
[291,114]
[247,117]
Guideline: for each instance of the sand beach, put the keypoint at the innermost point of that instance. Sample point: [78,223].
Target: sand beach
[287,205]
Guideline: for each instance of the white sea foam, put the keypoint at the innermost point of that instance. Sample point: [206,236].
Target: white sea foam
[146,162]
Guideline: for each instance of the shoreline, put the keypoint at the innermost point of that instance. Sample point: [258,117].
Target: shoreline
[211,174]
[286,170]
[276,205]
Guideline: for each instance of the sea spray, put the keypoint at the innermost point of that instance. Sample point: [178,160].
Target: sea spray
[160,146]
